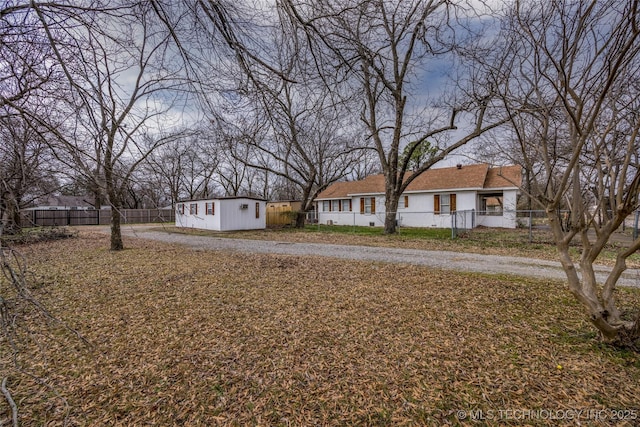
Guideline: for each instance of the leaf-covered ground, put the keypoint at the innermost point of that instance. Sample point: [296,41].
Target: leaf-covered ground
[183,337]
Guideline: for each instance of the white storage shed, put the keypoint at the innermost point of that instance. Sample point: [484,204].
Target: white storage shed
[222,214]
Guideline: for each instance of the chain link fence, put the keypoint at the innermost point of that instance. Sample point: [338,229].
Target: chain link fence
[527,226]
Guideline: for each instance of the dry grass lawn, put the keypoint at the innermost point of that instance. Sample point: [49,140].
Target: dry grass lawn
[182,337]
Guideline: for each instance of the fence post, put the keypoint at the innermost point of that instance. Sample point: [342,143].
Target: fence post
[530,226]
[453,225]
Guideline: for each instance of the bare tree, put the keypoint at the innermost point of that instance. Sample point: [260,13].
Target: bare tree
[380,48]
[164,170]
[122,86]
[25,67]
[26,74]
[572,94]
[300,136]
[27,170]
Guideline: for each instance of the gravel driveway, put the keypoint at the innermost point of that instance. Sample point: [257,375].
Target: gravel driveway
[457,261]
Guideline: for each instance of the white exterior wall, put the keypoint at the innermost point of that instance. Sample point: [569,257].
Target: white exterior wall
[354,217]
[420,212]
[234,218]
[227,215]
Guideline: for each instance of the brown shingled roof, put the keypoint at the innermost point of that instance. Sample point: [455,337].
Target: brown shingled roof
[504,176]
[468,176]
[476,176]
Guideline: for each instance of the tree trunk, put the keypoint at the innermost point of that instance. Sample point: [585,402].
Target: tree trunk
[391,209]
[600,306]
[116,233]
[301,216]
[16,221]
[10,215]
[115,200]
[390,223]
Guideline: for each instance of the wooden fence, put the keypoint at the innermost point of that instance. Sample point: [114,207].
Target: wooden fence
[280,216]
[62,217]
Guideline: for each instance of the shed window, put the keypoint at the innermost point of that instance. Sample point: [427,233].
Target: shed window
[210,208]
[181,208]
[403,202]
[346,205]
[325,206]
[193,209]
[335,205]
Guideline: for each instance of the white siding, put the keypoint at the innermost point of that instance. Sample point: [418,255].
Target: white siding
[227,216]
[233,217]
[420,212]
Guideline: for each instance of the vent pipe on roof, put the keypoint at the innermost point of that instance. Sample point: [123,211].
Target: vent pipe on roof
[459,166]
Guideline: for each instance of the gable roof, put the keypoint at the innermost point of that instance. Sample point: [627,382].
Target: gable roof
[478,176]
[504,177]
[471,176]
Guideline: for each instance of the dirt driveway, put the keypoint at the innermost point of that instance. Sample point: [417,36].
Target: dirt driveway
[457,261]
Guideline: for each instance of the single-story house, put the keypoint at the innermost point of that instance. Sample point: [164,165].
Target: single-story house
[478,194]
[222,214]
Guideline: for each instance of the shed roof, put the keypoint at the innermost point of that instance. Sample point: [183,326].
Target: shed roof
[223,198]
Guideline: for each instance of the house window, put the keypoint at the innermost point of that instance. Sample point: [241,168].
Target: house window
[181,208]
[193,209]
[492,204]
[210,208]
[444,204]
[346,205]
[257,209]
[335,205]
[325,206]
[367,205]
[403,202]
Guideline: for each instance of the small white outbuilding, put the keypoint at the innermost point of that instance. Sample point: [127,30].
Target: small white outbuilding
[222,214]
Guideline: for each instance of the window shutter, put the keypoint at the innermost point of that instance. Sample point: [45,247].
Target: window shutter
[373,205]
[330,205]
[339,205]
[257,209]
[406,201]
[213,208]
[361,205]
[436,204]
[453,202]
[350,206]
